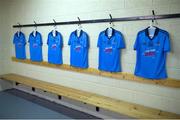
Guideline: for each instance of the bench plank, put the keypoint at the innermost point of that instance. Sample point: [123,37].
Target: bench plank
[169,82]
[118,106]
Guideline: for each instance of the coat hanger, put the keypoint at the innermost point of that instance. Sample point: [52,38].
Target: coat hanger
[152,28]
[110,28]
[152,21]
[79,24]
[79,27]
[35,29]
[55,28]
[19,30]
[110,21]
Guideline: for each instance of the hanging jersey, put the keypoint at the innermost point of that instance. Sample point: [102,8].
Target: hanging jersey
[79,49]
[35,44]
[19,41]
[109,50]
[55,44]
[151,54]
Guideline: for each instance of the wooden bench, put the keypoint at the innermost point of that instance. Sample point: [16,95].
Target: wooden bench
[118,106]
[169,82]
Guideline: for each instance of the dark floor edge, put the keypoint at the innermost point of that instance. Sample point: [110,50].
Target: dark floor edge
[72,113]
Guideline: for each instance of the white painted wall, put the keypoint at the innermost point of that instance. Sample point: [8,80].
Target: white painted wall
[26,11]
[3,84]
[1,63]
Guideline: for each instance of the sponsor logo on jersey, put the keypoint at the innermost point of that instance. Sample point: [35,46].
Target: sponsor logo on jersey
[108,49]
[19,44]
[35,45]
[150,53]
[78,48]
[54,46]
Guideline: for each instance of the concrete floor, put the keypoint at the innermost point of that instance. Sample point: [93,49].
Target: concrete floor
[15,104]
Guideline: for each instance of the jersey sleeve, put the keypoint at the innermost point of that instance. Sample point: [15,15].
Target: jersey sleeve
[120,43]
[29,40]
[86,41]
[61,41]
[167,46]
[99,41]
[48,40]
[14,39]
[136,44]
[24,39]
[40,42]
[70,40]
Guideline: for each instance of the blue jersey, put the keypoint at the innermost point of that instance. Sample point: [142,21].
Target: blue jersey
[35,44]
[55,44]
[20,42]
[79,49]
[109,50]
[151,54]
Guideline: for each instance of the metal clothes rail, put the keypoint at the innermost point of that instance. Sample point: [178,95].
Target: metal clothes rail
[135,18]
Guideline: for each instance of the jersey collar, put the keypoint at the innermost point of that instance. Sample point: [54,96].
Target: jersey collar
[81,32]
[155,34]
[52,34]
[37,33]
[20,33]
[106,33]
